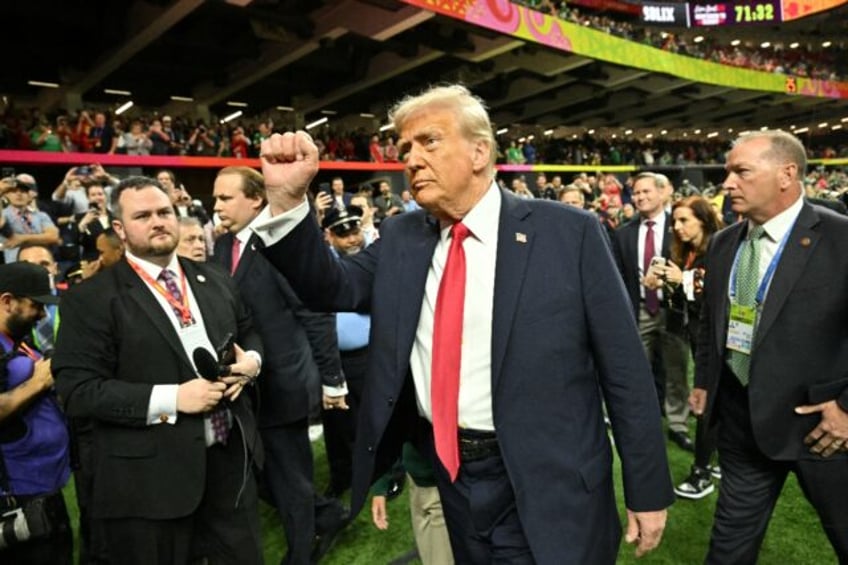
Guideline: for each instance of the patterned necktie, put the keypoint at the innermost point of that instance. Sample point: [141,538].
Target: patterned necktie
[652,300]
[747,280]
[218,417]
[447,353]
[235,256]
[170,280]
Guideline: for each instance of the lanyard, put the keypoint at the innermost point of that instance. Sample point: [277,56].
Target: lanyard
[761,291]
[23,348]
[182,308]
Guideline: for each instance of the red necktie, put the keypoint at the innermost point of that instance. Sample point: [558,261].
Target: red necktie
[236,255]
[652,301]
[447,352]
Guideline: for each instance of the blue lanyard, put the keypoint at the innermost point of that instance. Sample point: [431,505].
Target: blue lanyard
[761,291]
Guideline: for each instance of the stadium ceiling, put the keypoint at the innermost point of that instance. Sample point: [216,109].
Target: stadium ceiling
[297,61]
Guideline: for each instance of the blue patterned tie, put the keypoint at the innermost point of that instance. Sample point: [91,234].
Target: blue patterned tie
[747,280]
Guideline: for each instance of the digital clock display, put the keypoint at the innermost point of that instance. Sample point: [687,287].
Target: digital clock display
[733,13]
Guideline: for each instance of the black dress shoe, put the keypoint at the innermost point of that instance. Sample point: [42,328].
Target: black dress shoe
[325,539]
[682,440]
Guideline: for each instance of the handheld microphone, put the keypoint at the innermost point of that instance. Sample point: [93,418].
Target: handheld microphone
[207,366]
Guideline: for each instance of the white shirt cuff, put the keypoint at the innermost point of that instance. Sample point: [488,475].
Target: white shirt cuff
[335,391]
[162,408]
[256,357]
[271,229]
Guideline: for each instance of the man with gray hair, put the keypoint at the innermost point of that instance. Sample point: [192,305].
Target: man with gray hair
[513,424]
[773,347]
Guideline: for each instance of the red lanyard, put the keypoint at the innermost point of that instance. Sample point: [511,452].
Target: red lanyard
[182,308]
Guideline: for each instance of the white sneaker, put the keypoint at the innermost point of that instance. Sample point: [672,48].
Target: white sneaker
[315,432]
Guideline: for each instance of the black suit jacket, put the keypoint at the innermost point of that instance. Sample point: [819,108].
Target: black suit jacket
[554,277]
[800,351]
[300,345]
[626,245]
[115,342]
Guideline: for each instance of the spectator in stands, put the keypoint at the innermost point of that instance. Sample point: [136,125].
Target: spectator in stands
[94,221]
[409,203]
[572,196]
[176,139]
[160,139]
[43,138]
[71,191]
[387,203]
[35,447]
[375,152]
[543,188]
[363,201]
[200,142]
[391,151]
[263,131]
[239,144]
[101,136]
[135,141]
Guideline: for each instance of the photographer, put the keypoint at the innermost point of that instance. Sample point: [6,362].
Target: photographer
[33,466]
[201,142]
[21,224]
[93,222]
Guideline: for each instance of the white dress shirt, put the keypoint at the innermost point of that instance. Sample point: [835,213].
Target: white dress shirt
[659,232]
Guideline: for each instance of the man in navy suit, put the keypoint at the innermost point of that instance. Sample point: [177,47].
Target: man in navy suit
[301,354]
[773,348]
[524,465]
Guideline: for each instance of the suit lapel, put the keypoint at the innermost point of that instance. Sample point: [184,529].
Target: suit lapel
[143,297]
[248,255]
[515,241]
[789,269]
[667,235]
[414,261]
[223,251]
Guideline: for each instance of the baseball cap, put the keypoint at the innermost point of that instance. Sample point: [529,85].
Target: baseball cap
[27,280]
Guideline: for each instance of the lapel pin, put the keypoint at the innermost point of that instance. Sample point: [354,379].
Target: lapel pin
[805,242]
[520,237]
[201,278]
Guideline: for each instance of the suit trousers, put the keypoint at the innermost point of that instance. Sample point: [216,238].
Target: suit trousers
[751,484]
[219,530]
[674,350]
[480,510]
[340,425]
[428,525]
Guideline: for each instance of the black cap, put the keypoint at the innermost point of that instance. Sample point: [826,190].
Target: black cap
[27,280]
[342,222]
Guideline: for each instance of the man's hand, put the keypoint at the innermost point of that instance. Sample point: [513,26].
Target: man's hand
[243,371]
[335,402]
[698,401]
[645,529]
[90,268]
[12,241]
[199,395]
[289,163]
[831,435]
[378,512]
[42,376]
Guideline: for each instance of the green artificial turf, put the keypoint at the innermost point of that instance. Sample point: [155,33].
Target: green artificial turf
[794,535]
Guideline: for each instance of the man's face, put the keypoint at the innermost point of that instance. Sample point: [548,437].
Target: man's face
[192,243]
[96,195]
[647,197]
[148,225]
[19,197]
[108,255]
[39,256]
[572,198]
[755,184]
[541,181]
[385,188]
[99,119]
[440,162]
[405,196]
[337,186]
[23,313]
[556,181]
[234,209]
[350,243]
[165,180]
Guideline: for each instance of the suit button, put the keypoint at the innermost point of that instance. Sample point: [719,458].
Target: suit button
[390,401]
[370,449]
[163,418]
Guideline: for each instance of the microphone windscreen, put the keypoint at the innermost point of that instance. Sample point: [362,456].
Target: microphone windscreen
[206,364]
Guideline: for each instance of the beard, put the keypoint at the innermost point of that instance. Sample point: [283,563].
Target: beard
[19,326]
[158,247]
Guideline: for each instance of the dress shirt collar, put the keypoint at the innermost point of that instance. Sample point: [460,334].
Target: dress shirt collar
[153,269]
[482,219]
[777,227]
[244,234]
[658,218]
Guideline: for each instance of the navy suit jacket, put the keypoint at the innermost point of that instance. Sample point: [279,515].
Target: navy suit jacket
[559,343]
[800,353]
[300,345]
[626,245]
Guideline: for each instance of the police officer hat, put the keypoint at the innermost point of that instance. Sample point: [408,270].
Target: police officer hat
[342,222]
